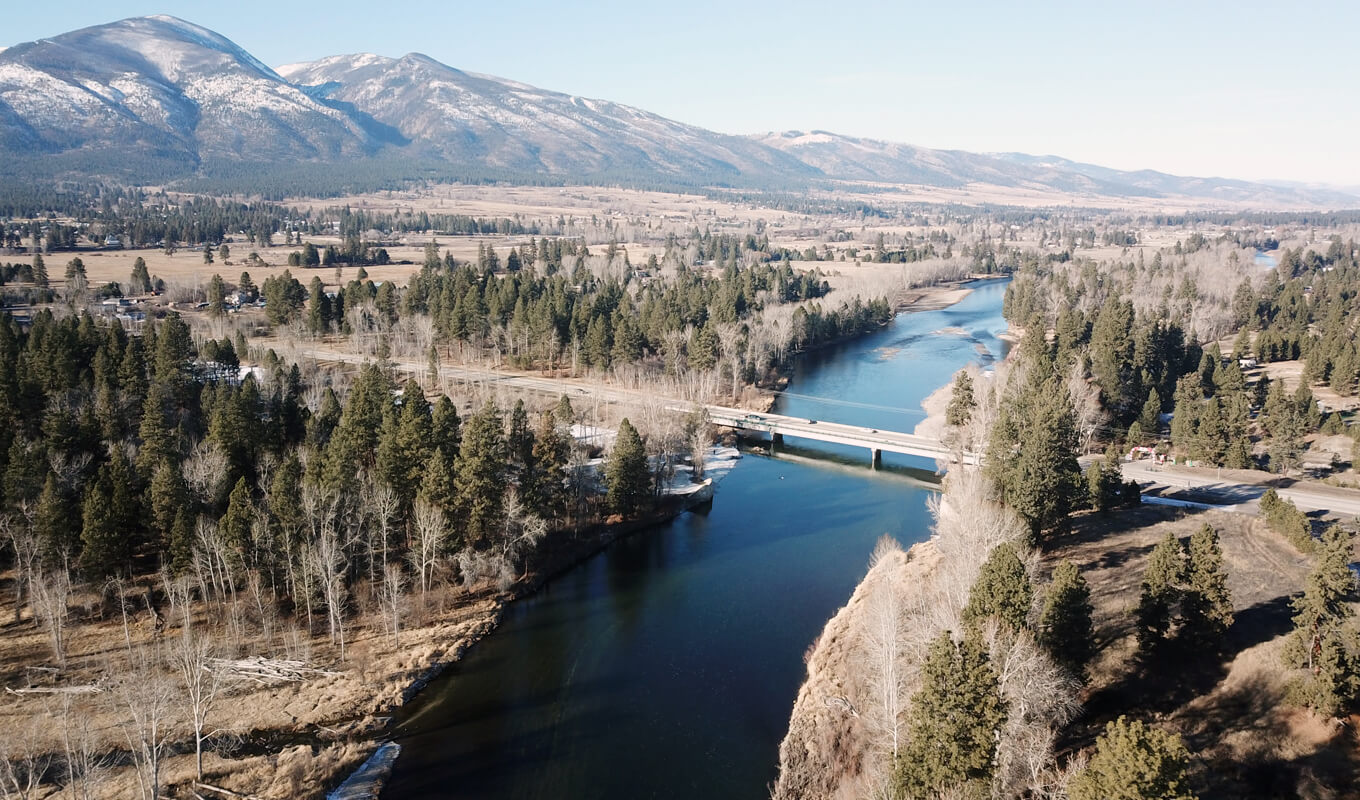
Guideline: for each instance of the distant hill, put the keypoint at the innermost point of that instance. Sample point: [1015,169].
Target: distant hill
[851,158]
[156,98]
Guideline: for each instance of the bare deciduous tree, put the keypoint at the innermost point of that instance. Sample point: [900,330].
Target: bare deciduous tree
[393,598]
[204,470]
[881,648]
[142,695]
[22,760]
[201,686]
[24,542]
[51,592]
[429,530]
[520,529]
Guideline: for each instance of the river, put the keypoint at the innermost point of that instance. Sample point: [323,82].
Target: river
[667,665]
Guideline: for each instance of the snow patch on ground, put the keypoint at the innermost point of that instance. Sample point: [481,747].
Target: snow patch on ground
[718,461]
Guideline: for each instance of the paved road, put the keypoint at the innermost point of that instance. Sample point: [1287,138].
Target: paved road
[1241,489]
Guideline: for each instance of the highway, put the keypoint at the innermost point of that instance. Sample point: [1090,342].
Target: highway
[1240,489]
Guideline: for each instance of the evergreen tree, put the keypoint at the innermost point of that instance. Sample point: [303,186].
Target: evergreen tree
[1162,581]
[1207,604]
[217,295]
[1185,417]
[1065,628]
[954,722]
[446,427]
[565,414]
[961,402]
[140,282]
[520,440]
[1105,482]
[104,547]
[40,278]
[547,490]
[235,523]
[481,476]
[1032,455]
[1150,417]
[318,308]
[57,522]
[1324,643]
[1002,590]
[626,472]
[1134,762]
[181,545]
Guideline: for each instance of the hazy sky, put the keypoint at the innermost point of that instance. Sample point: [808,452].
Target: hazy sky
[1240,89]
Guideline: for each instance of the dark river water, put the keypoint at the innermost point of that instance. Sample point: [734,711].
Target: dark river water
[667,665]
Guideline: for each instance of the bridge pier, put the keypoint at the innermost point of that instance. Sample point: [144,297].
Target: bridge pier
[775,439]
[877,457]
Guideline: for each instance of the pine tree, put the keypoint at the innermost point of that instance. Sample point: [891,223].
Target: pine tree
[104,547]
[626,472]
[40,278]
[1134,762]
[547,491]
[217,296]
[1207,604]
[1162,581]
[1002,589]
[955,719]
[181,543]
[565,414]
[318,308]
[1032,453]
[140,282]
[57,522]
[520,440]
[1105,482]
[1323,643]
[235,523]
[1185,417]
[1065,625]
[1150,420]
[412,443]
[481,476]
[961,401]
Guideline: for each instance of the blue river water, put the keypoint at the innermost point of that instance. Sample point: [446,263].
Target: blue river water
[667,665]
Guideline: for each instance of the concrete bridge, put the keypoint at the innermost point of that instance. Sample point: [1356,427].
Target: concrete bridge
[874,440]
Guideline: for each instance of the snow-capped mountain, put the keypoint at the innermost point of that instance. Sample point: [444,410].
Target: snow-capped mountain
[164,86]
[480,119]
[161,95]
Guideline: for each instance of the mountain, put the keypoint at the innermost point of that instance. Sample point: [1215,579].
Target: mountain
[167,89]
[851,158]
[468,118]
[157,98]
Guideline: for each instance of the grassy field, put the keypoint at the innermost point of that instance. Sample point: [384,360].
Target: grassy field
[1229,706]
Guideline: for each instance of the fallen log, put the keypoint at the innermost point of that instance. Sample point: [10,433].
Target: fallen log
[266,670]
[225,792]
[86,689]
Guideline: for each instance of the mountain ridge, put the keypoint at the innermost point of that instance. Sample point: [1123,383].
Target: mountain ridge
[164,90]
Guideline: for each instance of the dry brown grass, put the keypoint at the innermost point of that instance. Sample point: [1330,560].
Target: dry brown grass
[327,711]
[1232,712]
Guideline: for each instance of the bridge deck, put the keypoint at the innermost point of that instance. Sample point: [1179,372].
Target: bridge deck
[875,440]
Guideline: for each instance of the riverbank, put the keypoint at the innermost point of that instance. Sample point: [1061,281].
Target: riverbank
[295,739]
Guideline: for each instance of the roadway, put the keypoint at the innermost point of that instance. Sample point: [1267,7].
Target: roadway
[1239,490]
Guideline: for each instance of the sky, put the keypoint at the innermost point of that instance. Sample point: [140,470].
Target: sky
[1240,89]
